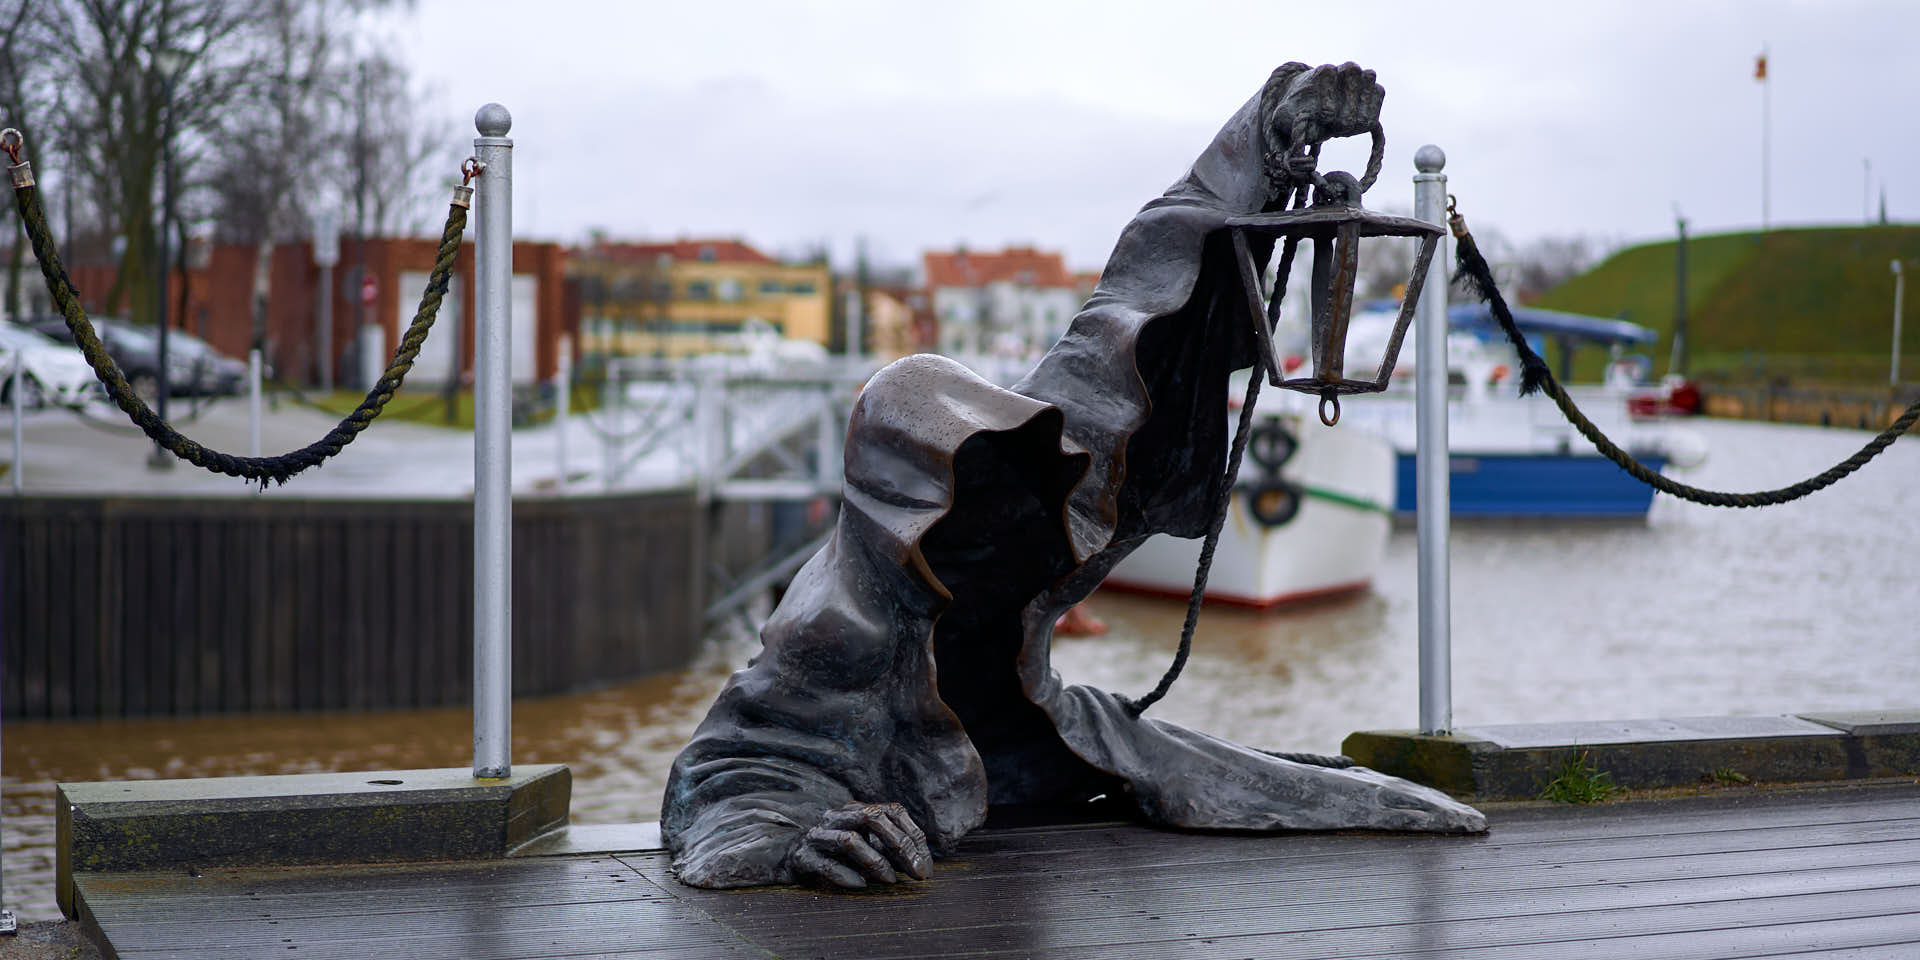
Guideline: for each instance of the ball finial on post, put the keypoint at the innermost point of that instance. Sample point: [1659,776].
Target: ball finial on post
[493,120]
[1429,159]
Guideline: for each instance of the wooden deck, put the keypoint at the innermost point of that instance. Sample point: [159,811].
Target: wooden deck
[1821,872]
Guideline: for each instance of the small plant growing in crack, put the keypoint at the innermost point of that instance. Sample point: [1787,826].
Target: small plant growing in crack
[1580,781]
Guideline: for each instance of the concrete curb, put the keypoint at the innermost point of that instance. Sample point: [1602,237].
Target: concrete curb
[1515,762]
[370,817]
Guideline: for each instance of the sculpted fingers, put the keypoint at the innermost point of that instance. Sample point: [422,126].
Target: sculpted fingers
[1356,102]
[814,868]
[852,849]
[902,840]
[1346,94]
[888,828]
[1372,95]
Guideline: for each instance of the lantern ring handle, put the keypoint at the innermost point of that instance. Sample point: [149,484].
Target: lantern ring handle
[1375,158]
[1329,398]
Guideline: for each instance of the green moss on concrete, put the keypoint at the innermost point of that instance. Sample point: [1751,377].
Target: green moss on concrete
[1519,762]
[1445,763]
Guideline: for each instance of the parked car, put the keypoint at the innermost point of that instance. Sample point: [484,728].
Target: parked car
[213,372]
[48,373]
[194,366]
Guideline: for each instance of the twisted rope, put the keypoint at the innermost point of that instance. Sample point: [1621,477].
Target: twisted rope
[1223,493]
[263,470]
[1536,375]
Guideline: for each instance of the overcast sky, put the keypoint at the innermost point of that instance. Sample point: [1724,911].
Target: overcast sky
[920,125]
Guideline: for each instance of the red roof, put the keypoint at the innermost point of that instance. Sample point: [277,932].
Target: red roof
[1019,265]
[717,251]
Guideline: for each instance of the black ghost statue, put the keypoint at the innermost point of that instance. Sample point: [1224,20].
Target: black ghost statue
[904,683]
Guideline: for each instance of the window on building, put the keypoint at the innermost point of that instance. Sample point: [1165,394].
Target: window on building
[707,253]
[803,288]
[770,288]
[699,290]
[730,290]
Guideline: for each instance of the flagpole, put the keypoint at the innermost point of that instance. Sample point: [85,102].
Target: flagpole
[1766,148]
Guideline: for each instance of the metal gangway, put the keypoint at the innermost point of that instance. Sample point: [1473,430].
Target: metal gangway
[743,429]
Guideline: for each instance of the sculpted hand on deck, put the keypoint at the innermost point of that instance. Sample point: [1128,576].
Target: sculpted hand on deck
[862,843]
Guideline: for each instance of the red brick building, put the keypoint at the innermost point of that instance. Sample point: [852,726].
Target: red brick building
[220,305]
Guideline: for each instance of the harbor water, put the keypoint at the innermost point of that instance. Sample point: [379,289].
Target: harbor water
[1695,612]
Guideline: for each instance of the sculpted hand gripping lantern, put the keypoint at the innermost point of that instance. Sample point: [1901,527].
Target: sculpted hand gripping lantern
[904,682]
[1335,223]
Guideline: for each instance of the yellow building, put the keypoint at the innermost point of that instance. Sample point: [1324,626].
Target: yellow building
[692,296]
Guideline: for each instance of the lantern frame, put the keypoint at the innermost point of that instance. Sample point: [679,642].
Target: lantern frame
[1336,226]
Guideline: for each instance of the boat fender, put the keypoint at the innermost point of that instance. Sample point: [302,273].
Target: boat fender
[1271,444]
[1273,501]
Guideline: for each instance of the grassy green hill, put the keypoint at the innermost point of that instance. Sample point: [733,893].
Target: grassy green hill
[1813,303]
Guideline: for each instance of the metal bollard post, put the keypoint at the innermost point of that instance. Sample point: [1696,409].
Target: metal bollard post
[612,388]
[8,926]
[709,433]
[1431,460]
[831,431]
[18,391]
[253,402]
[493,446]
[563,401]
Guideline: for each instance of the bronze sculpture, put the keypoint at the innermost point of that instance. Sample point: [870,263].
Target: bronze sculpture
[904,683]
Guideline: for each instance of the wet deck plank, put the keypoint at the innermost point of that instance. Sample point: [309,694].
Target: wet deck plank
[1830,873]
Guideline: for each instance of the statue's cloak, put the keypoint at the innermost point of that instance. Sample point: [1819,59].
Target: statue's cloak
[908,661]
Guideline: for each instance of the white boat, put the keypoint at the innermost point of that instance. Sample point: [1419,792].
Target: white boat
[1315,527]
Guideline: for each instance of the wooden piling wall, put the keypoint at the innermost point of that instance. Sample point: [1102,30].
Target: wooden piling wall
[122,607]
[1862,408]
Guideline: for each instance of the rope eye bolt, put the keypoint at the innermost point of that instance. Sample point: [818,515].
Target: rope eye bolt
[470,168]
[11,141]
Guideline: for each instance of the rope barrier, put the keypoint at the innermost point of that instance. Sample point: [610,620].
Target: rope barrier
[1536,375]
[277,469]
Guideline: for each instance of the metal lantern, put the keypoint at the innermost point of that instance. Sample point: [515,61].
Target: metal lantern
[1335,222]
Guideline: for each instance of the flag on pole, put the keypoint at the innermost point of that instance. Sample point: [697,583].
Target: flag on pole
[1760,68]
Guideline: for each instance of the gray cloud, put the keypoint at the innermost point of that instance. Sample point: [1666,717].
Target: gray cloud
[1051,123]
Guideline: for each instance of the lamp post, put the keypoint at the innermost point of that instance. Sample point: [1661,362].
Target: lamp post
[1899,293]
[167,63]
[326,253]
[1677,361]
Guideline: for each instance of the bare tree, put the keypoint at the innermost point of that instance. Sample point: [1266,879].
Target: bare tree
[272,107]
[278,156]
[130,101]
[1386,263]
[26,74]
[400,155]
[1550,261]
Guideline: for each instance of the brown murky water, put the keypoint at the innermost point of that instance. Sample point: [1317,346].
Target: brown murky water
[1698,612]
